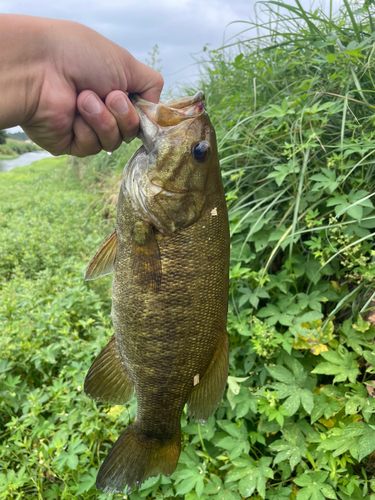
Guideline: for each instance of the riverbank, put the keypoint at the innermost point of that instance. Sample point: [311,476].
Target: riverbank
[8,157]
[8,164]
[14,148]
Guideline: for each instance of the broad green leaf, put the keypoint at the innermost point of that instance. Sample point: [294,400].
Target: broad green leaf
[366,444]
[356,212]
[247,485]
[187,485]
[328,491]
[86,482]
[292,451]
[199,487]
[72,461]
[307,400]
[292,403]
[281,374]
[343,366]
[305,480]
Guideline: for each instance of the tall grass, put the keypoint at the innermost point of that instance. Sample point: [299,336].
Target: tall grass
[294,111]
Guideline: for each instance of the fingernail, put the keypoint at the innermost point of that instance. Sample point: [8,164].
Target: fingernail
[130,139]
[119,105]
[92,105]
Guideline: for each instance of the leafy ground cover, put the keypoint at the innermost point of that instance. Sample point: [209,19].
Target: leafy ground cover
[294,113]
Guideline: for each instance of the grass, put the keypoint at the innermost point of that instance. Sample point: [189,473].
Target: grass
[8,157]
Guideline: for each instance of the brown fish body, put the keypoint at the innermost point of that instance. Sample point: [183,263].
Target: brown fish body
[169,307]
[168,337]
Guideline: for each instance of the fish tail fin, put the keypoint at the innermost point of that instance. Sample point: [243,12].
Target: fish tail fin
[134,458]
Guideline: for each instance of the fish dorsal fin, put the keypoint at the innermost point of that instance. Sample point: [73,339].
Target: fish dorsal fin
[107,379]
[104,258]
[146,261]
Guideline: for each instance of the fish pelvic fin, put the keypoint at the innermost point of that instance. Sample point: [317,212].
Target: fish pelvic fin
[134,458]
[207,393]
[107,379]
[103,261]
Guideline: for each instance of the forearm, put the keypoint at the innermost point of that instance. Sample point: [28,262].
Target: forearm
[21,67]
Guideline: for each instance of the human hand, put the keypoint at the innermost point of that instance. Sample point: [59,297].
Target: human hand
[74,71]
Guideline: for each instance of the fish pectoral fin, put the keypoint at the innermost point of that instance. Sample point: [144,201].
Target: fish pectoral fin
[103,261]
[208,389]
[107,379]
[146,263]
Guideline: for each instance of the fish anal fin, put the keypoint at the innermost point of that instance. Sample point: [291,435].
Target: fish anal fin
[134,458]
[103,261]
[146,263]
[107,379]
[208,389]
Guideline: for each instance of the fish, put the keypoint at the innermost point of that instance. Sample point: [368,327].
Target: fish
[169,253]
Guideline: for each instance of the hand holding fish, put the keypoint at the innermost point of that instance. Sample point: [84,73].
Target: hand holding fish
[67,85]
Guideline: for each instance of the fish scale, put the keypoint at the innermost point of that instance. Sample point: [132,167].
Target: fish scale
[170,257]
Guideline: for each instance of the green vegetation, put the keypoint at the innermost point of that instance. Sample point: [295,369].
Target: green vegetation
[294,114]
[52,324]
[18,136]
[13,148]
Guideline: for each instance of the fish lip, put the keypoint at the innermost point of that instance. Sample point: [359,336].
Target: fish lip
[184,102]
[178,109]
[155,117]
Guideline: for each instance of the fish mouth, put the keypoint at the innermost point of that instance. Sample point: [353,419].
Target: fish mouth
[169,113]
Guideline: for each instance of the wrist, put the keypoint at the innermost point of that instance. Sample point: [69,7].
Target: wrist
[21,68]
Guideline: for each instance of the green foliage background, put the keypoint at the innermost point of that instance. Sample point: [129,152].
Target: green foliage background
[11,148]
[293,108]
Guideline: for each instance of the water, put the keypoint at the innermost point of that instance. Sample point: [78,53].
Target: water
[23,160]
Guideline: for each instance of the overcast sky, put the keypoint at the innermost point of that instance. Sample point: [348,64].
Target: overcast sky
[180,28]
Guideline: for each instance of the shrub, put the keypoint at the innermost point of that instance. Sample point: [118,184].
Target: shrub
[11,147]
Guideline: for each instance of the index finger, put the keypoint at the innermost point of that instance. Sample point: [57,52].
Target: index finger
[143,80]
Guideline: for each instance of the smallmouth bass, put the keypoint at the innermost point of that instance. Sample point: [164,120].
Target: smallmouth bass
[170,257]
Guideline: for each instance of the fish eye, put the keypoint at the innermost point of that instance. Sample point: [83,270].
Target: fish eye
[200,150]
